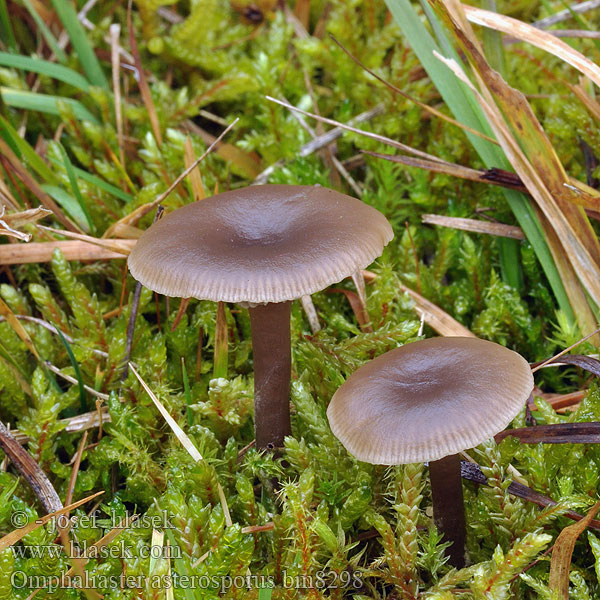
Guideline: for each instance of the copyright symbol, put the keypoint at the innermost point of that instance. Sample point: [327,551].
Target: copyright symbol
[19,519]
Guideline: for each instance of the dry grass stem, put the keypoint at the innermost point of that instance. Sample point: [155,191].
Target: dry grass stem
[183,439]
[487,227]
[435,317]
[311,313]
[114,32]
[36,252]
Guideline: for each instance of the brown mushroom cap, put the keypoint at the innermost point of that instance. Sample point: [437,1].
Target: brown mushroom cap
[429,399]
[259,244]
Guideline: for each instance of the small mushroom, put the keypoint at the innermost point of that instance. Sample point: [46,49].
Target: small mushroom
[425,402]
[263,246]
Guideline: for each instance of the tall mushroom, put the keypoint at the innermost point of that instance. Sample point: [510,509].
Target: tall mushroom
[425,402]
[262,246]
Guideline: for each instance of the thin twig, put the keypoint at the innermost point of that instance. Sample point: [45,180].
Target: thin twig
[553,358]
[380,138]
[320,141]
[563,15]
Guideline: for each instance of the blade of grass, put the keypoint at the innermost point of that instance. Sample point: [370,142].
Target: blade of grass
[461,102]
[75,187]
[46,33]
[109,188]
[70,204]
[22,148]
[533,157]
[44,103]
[84,50]
[6,27]
[82,395]
[509,249]
[34,187]
[104,185]
[45,67]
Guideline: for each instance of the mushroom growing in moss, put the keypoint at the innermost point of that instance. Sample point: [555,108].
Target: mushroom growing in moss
[425,402]
[262,246]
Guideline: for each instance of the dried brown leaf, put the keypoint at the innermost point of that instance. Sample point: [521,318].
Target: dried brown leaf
[537,37]
[560,563]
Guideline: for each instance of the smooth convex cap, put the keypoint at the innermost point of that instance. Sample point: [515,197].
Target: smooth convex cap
[429,399]
[259,244]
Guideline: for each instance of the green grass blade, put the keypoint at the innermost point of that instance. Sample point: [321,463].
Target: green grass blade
[265,593]
[75,188]
[46,33]
[81,44]
[104,185]
[68,203]
[510,259]
[109,188]
[82,397]
[188,393]
[44,103]
[45,67]
[464,106]
[492,44]
[6,28]
[25,151]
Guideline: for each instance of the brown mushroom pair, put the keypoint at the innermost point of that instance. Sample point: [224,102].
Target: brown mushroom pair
[428,401]
[263,246]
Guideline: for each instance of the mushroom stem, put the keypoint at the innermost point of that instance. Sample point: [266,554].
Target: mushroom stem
[448,505]
[270,324]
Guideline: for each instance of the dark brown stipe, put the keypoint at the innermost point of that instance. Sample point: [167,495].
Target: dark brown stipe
[270,325]
[32,472]
[448,506]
